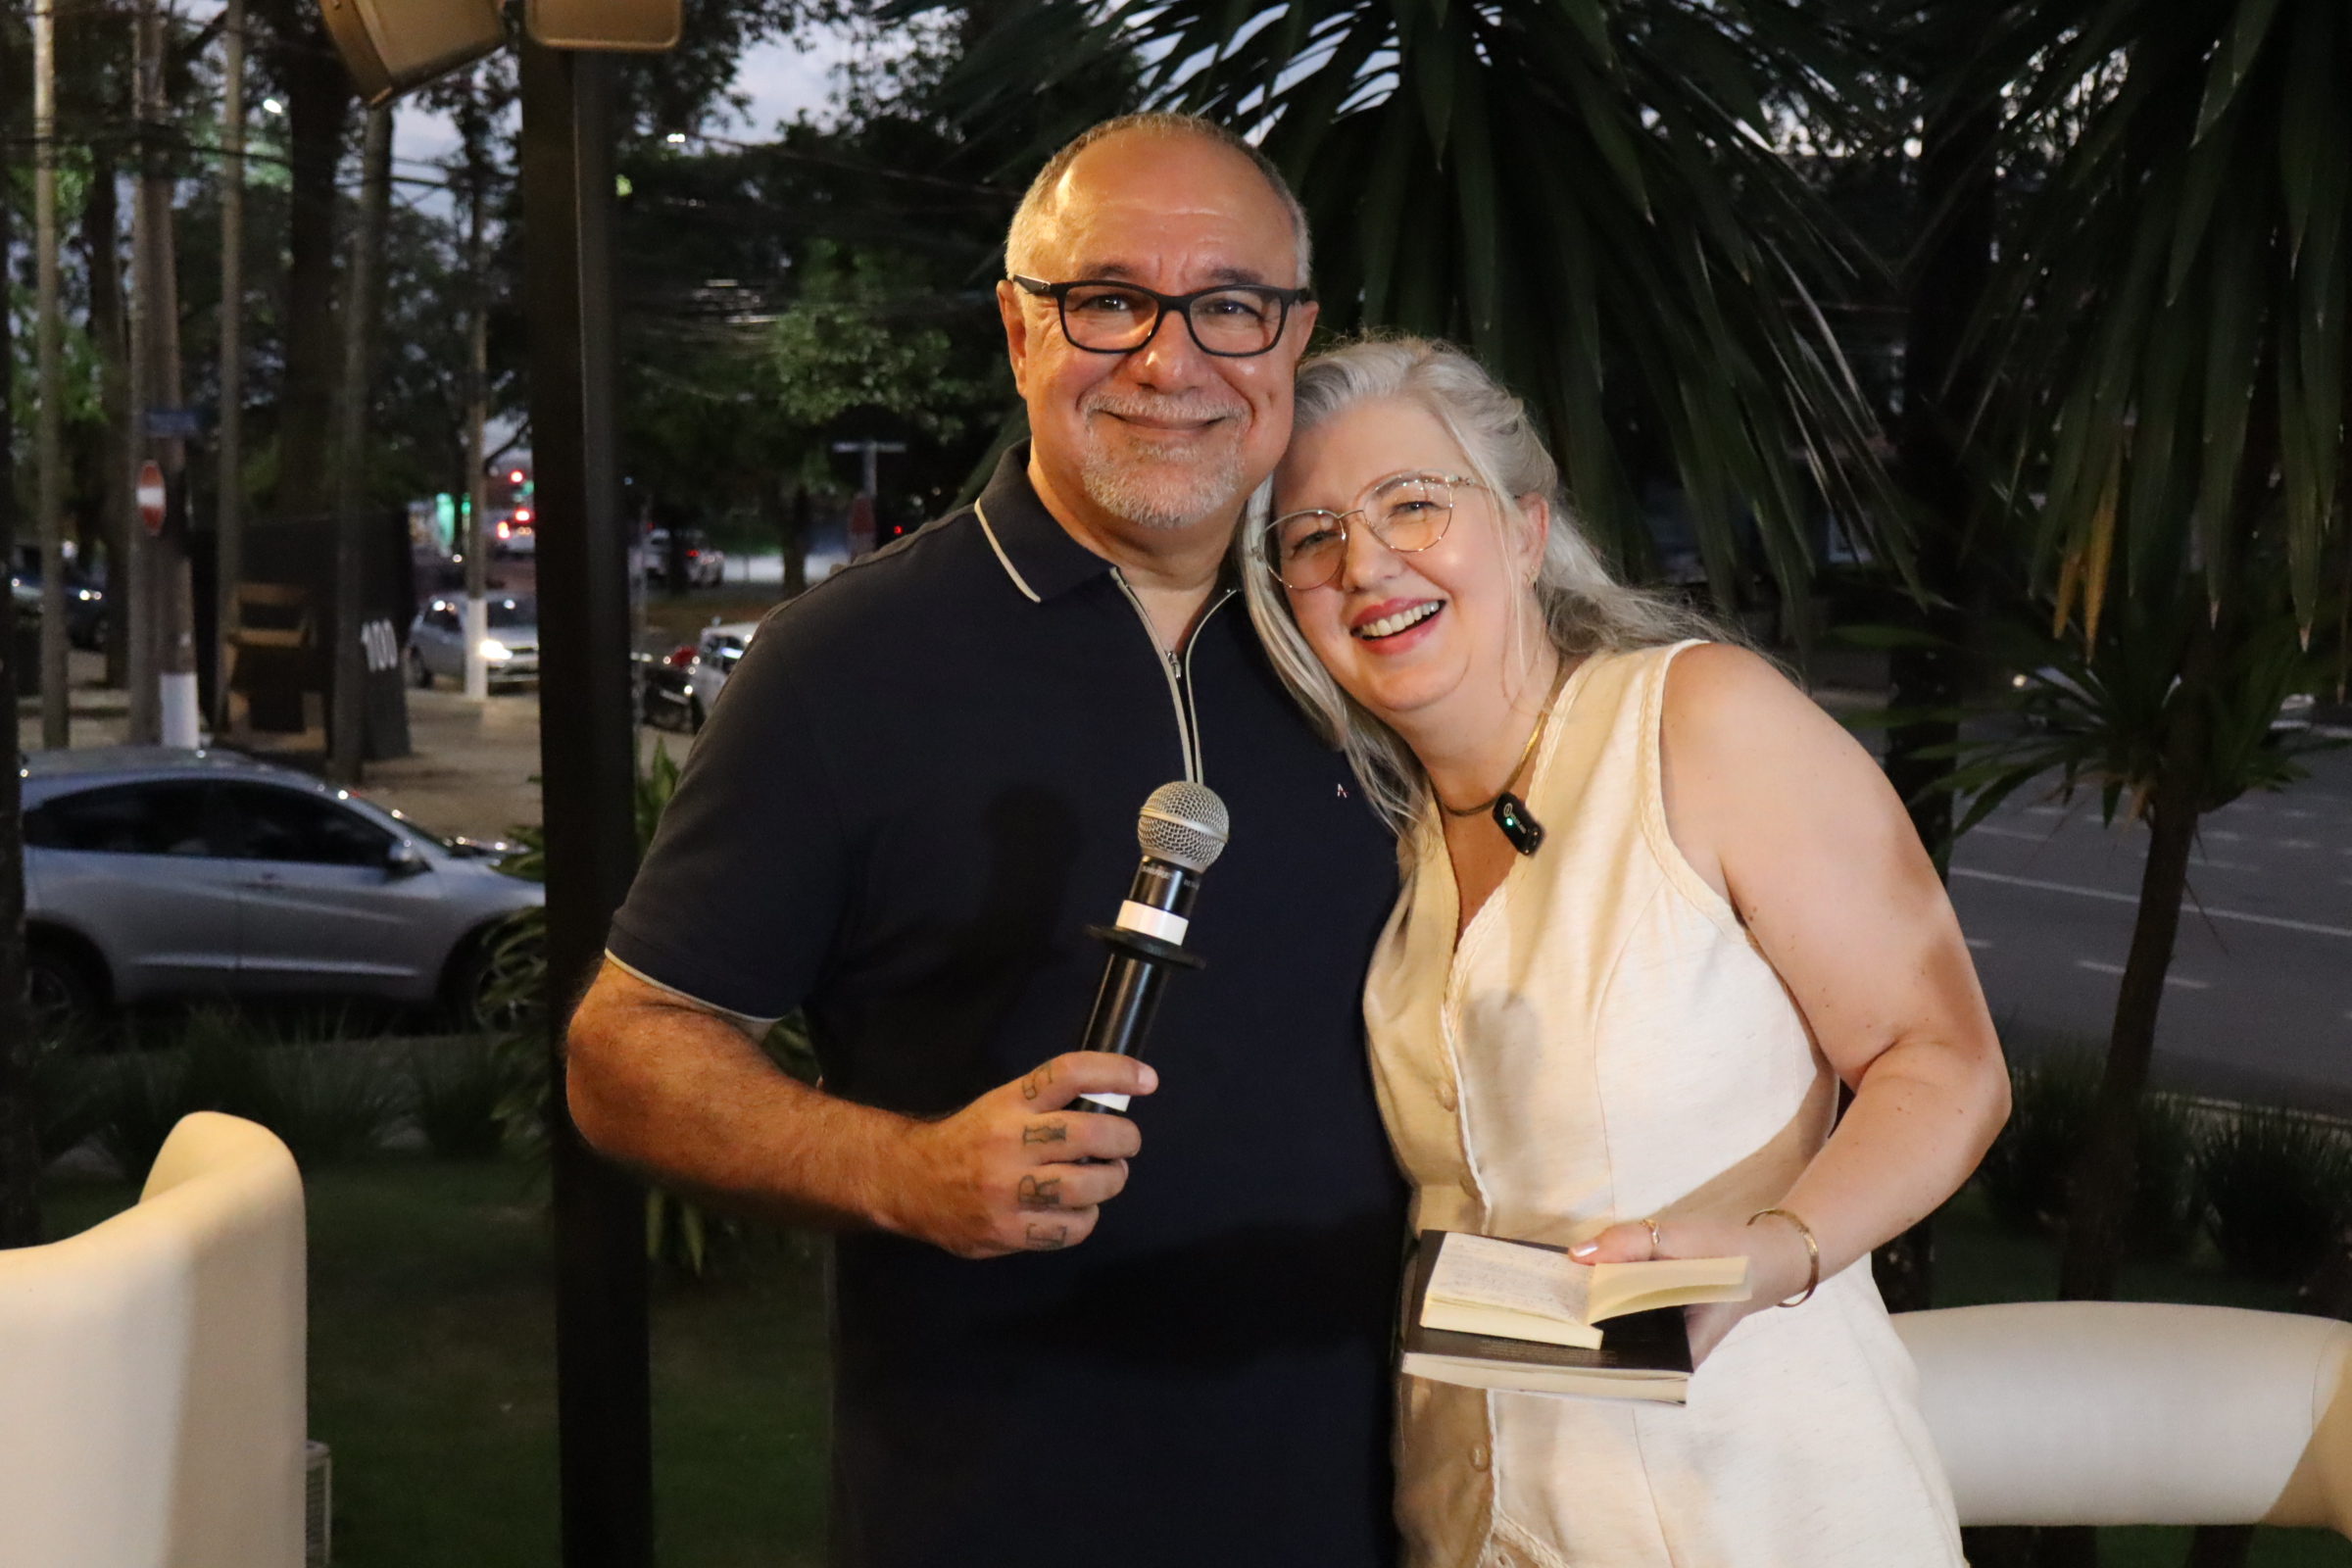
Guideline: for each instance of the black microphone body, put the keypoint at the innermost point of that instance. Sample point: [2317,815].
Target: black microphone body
[1147,940]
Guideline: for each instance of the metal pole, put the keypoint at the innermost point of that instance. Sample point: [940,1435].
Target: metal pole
[134,598]
[56,713]
[178,714]
[478,408]
[228,545]
[604,1402]
[348,732]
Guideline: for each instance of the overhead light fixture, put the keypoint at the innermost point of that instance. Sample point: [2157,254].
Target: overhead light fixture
[625,26]
[271,106]
[392,45]
[676,139]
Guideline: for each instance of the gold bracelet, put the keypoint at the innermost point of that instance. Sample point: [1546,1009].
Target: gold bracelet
[1812,1252]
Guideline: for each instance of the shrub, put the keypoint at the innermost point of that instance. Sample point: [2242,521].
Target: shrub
[327,1103]
[2023,1175]
[67,1102]
[2026,1174]
[141,1095]
[325,1100]
[2276,1186]
[457,1092]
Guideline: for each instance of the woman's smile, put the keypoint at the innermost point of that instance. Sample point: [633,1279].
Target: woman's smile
[1388,621]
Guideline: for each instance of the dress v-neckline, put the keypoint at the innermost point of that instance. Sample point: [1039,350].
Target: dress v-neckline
[1548,727]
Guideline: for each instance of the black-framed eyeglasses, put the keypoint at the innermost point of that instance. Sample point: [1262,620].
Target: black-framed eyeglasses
[1406,511]
[1233,320]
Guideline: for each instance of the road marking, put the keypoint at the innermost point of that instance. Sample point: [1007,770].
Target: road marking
[2301,817]
[2204,864]
[2046,811]
[2221,837]
[1978,943]
[2297,844]
[2133,898]
[1989,831]
[2180,980]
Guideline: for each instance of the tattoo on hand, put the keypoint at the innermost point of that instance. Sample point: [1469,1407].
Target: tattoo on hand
[1037,1194]
[1049,1238]
[1035,1084]
[1046,1132]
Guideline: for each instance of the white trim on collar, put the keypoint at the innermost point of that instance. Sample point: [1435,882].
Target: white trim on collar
[1003,559]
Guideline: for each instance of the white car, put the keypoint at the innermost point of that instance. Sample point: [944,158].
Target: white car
[437,641]
[716,652]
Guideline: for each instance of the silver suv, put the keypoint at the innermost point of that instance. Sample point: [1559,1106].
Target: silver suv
[150,871]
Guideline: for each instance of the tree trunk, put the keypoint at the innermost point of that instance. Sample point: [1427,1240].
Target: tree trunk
[348,729]
[319,99]
[2107,1173]
[102,251]
[1925,680]
[19,1154]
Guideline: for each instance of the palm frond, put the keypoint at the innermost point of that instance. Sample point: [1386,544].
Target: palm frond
[1583,194]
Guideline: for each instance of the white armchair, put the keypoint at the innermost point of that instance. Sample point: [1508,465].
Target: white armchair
[2121,1412]
[152,1396]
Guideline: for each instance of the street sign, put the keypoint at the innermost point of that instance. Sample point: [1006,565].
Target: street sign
[151,496]
[172,424]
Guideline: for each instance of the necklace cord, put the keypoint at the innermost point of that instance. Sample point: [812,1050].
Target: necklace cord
[1525,753]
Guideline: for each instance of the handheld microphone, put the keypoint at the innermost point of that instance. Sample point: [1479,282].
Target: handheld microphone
[1182,830]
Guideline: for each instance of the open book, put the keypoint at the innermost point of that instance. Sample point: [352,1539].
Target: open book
[1520,1316]
[1521,1291]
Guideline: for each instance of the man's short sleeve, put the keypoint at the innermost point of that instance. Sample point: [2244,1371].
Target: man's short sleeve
[739,895]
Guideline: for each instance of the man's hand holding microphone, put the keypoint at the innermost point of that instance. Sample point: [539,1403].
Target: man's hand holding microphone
[1022,1170]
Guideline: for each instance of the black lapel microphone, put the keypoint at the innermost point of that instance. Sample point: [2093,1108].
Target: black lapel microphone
[1182,830]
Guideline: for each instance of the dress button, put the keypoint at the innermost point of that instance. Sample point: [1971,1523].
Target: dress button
[1480,1456]
[1446,1096]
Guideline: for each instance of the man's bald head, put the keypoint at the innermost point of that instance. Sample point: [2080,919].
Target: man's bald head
[1040,205]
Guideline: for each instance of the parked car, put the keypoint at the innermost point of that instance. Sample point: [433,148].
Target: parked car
[151,871]
[706,567]
[716,652]
[86,603]
[437,641]
[666,686]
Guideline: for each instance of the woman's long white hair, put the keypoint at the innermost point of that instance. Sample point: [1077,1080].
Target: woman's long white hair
[1581,608]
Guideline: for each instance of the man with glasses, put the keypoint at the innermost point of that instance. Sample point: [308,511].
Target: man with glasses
[1152,1339]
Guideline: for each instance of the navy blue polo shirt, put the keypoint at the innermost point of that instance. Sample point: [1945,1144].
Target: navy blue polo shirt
[918,789]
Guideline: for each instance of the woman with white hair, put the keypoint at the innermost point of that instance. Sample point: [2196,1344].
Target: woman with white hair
[1658,906]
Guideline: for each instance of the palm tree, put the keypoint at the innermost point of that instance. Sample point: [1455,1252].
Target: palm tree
[1588,194]
[2168,326]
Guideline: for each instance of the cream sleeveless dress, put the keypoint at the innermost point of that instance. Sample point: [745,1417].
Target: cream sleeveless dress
[1605,1044]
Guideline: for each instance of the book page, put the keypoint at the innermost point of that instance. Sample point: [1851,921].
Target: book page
[1618,1288]
[1482,1271]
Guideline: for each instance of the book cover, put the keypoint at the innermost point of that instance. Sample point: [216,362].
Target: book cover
[1642,1356]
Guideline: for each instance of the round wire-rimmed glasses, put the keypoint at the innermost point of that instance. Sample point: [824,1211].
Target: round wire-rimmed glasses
[1233,320]
[1406,511]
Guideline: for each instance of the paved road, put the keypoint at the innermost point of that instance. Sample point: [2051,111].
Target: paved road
[2259,998]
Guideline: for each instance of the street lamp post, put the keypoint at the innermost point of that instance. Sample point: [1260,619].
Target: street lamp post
[588,746]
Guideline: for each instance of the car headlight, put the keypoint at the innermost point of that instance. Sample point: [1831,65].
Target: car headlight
[495,652]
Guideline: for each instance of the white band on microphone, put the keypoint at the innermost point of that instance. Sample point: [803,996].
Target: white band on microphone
[1134,916]
[1105,1100]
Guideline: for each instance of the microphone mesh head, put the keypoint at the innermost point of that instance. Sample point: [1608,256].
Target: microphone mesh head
[1184,824]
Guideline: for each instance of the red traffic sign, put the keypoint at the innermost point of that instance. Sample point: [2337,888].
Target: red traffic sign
[151,496]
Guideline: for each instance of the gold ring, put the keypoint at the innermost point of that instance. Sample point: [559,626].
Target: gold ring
[1656,1246]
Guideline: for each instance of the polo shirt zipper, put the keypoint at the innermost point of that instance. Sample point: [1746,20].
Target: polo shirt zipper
[1177,667]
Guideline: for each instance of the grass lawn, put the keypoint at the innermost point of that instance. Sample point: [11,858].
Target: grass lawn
[432,1374]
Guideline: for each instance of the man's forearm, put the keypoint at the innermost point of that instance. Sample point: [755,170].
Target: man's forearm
[686,1097]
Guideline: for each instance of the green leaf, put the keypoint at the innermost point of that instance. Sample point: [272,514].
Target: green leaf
[2234,60]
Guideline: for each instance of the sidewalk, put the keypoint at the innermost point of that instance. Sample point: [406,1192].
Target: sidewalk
[472,770]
